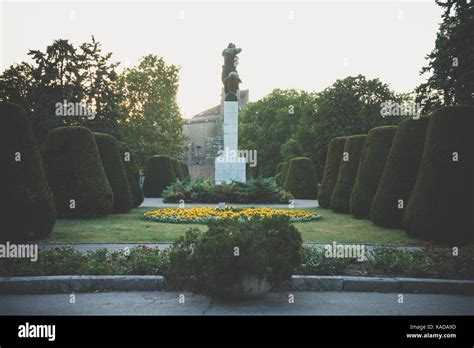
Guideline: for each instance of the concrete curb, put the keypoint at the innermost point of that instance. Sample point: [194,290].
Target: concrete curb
[393,285]
[70,284]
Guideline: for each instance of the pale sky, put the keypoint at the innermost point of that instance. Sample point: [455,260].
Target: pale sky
[305,45]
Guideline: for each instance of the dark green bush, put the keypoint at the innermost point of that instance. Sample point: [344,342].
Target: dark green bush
[114,169]
[301,179]
[284,171]
[133,174]
[374,155]
[75,172]
[441,206]
[331,169]
[399,174]
[261,190]
[207,262]
[185,170]
[27,204]
[279,173]
[159,173]
[178,169]
[340,199]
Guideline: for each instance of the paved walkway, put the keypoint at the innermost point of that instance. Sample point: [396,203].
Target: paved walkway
[158,203]
[275,303]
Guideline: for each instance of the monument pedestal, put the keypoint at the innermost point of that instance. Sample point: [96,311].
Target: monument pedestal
[229,166]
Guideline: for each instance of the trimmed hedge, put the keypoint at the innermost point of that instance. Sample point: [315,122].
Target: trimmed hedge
[159,173]
[441,206]
[75,172]
[301,180]
[331,169]
[132,173]
[178,169]
[27,203]
[284,171]
[374,156]
[340,199]
[114,169]
[186,171]
[399,174]
[279,173]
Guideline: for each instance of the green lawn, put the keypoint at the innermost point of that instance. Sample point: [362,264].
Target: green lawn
[130,228]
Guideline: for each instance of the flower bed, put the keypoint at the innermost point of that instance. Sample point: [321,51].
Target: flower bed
[206,214]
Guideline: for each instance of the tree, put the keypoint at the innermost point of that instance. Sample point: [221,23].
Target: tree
[64,73]
[266,125]
[350,106]
[151,120]
[451,63]
[99,85]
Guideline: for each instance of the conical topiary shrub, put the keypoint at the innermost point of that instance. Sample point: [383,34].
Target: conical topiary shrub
[340,199]
[112,161]
[27,203]
[399,174]
[75,173]
[284,171]
[301,180]
[159,173]
[133,174]
[374,155]
[178,170]
[279,173]
[441,206]
[331,169]
[186,171]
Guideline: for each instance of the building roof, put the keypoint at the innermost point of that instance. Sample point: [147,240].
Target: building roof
[214,111]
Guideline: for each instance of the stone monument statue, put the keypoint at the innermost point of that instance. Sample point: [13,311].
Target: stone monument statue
[230,76]
[229,166]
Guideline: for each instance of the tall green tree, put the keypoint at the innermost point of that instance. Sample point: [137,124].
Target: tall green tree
[267,124]
[64,73]
[99,85]
[451,63]
[151,119]
[350,106]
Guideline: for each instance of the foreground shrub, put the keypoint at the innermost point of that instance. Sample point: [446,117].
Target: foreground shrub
[374,155]
[427,262]
[114,169]
[218,261]
[75,174]
[261,190]
[27,203]
[399,174]
[331,169]
[301,178]
[340,199]
[441,206]
[159,173]
[133,174]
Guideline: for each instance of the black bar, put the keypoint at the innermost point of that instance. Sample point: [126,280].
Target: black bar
[159,330]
